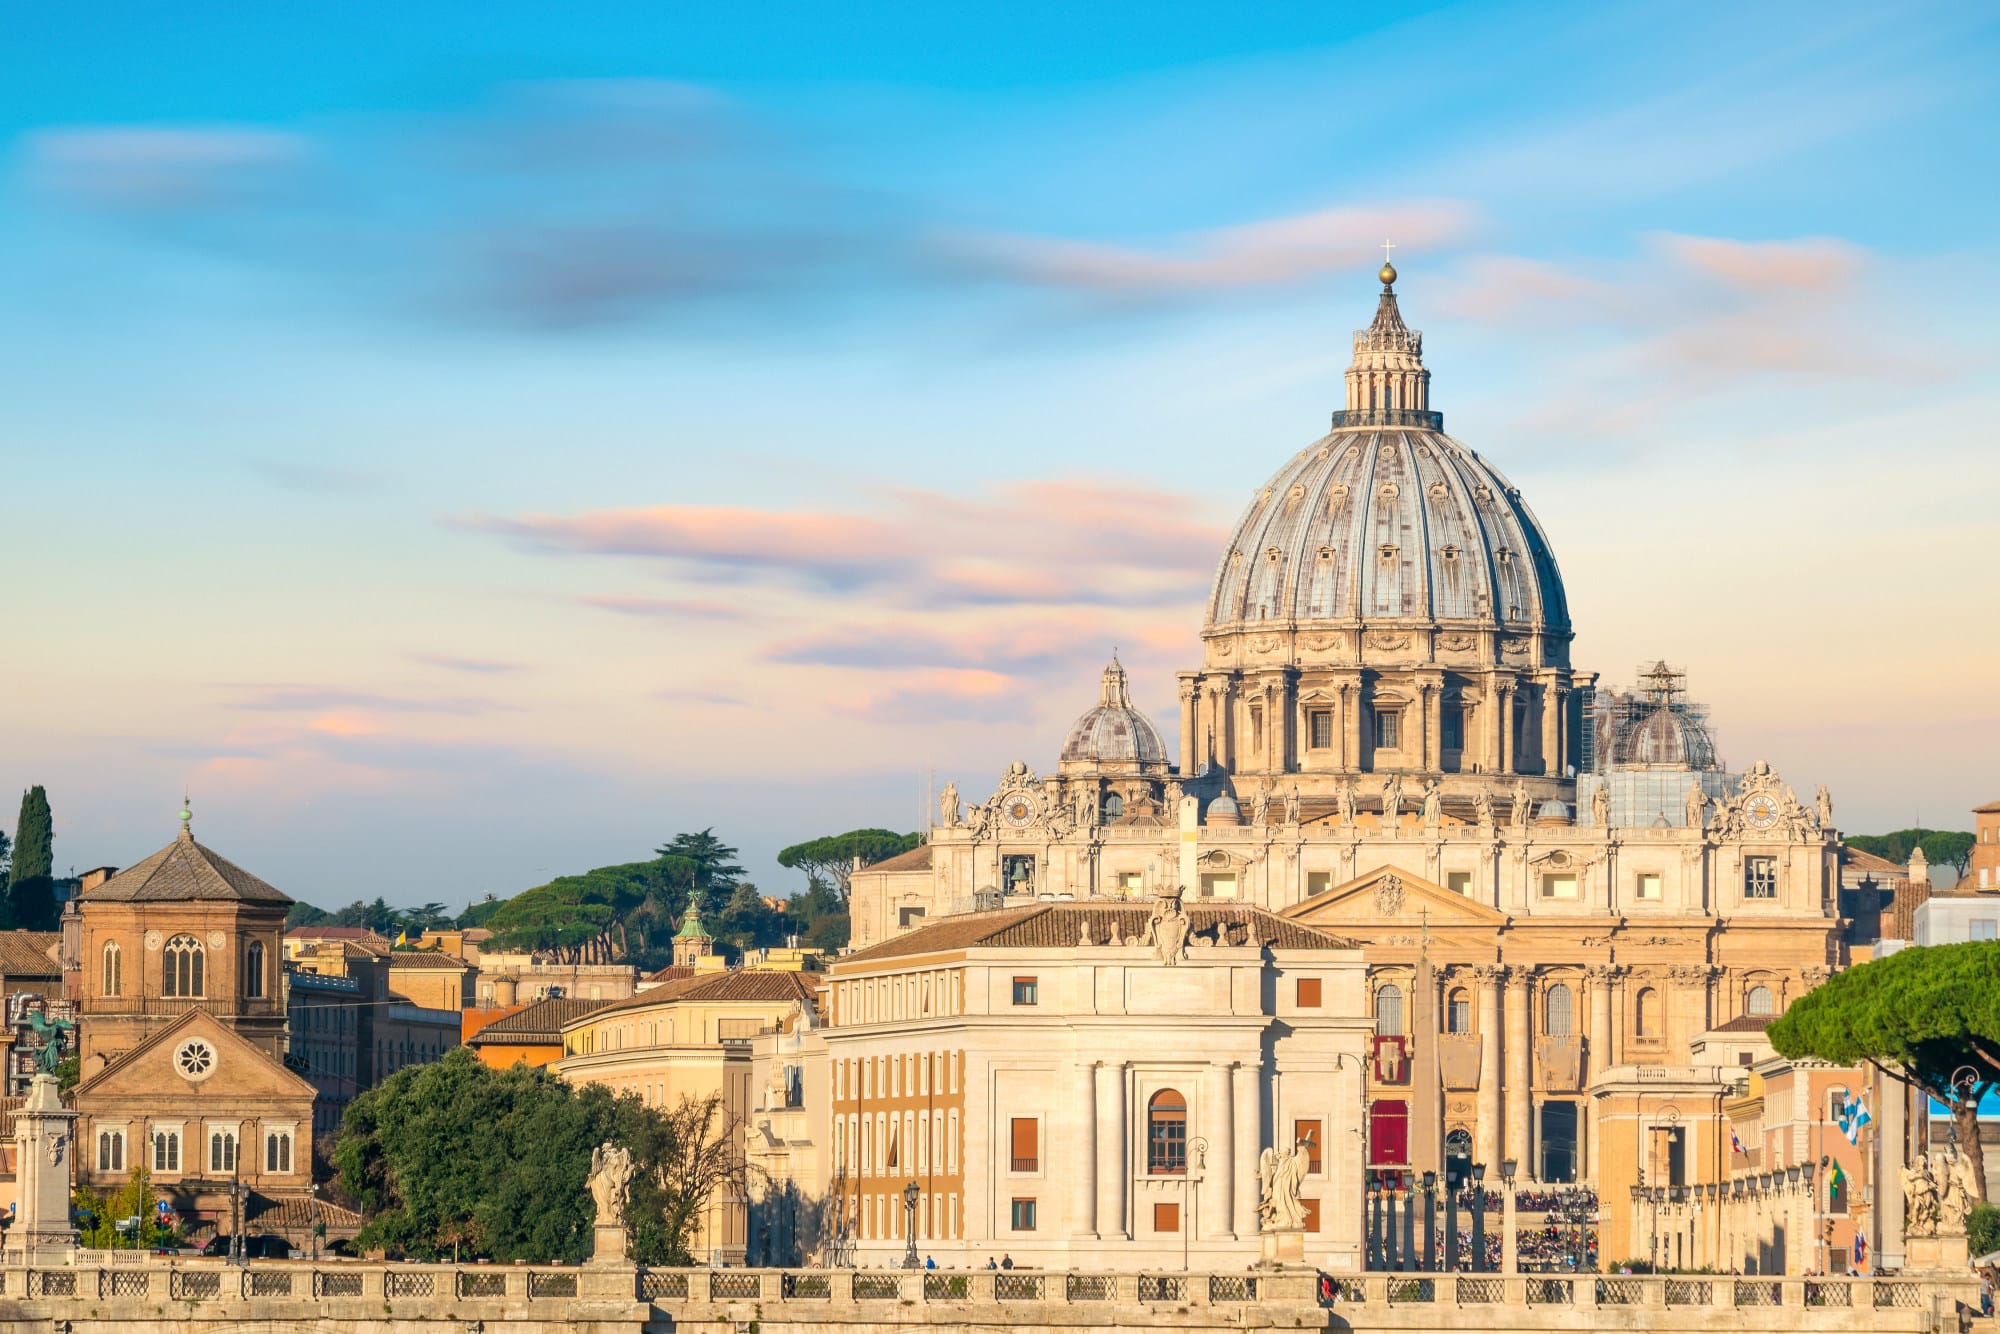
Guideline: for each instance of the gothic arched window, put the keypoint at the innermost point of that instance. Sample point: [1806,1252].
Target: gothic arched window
[114,970]
[1166,1134]
[182,975]
[1760,1001]
[1389,1011]
[1557,1012]
[253,971]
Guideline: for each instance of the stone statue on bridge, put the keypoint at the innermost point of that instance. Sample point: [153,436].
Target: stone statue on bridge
[610,1187]
[1279,1176]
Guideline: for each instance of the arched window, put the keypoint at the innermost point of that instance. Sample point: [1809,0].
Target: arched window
[182,967]
[1557,1012]
[1114,806]
[1458,1012]
[1389,1011]
[1166,1134]
[278,1151]
[253,971]
[1646,1013]
[1760,1001]
[114,970]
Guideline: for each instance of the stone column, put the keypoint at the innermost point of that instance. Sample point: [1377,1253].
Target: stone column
[1486,1145]
[1520,1073]
[1350,725]
[1551,702]
[1219,1171]
[1244,1123]
[1891,1146]
[1085,1101]
[1503,760]
[1433,742]
[1112,1135]
[1190,720]
[1597,1051]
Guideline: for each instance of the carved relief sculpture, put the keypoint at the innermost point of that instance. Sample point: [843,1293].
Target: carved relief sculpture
[1167,929]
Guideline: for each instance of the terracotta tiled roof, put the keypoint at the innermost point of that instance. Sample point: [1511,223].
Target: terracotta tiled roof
[671,973]
[425,959]
[29,953]
[1057,925]
[739,984]
[334,933]
[1746,1023]
[916,859]
[1868,861]
[184,869]
[539,1025]
[1988,809]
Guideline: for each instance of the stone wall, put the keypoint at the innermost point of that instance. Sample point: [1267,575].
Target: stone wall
[139,1294]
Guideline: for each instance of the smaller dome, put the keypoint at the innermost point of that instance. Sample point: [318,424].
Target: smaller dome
[1554,810]
[1114,734]
[1223,810]
[1669,738]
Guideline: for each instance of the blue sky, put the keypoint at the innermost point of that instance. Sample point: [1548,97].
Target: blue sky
[488,440]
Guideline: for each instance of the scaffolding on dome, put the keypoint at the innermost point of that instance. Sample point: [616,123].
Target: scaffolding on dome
[1645,746]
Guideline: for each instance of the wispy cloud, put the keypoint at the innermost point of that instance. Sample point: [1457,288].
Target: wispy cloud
[696,695]
[319,699]
[1055,542]
[470,666]
[1250,255]
[695,609]
[162,169]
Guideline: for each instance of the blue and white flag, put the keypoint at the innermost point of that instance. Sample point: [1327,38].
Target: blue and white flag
[1853,1116]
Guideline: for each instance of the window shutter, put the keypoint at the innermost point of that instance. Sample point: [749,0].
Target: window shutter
[1026,1148]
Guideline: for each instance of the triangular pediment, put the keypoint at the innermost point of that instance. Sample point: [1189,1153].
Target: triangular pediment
[1390,896]
[239,1069]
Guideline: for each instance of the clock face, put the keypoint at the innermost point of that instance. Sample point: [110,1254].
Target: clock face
[1761,811]
[1018,811]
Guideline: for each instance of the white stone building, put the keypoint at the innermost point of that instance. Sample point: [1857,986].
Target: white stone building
[1066,1085]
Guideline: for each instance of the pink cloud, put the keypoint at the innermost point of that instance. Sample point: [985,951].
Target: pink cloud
[1812,264]
[1258,254]
[691,608]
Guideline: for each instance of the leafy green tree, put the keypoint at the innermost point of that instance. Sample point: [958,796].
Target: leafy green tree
[304,914]
[455,1154]
[1929,1016]
[705,867]
[748,922]
[1982,1229]
[830,860]
[1942,847]
[5,849]
[31,886]
[476,914]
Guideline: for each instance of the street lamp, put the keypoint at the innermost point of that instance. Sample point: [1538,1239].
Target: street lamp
[1430,1221]
[1479,1218]
[1510,1244]
[1197,1162]
[910,1194]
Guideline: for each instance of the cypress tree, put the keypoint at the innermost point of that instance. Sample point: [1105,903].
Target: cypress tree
[31,889]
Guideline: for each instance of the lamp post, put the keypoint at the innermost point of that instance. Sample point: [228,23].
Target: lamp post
[1197,1163]
[1451,1189]
[1510,1244]
[910,1193]
[1479,1218]
[1407,1183]
[236,1216]
[312,1216]
[1429,1260]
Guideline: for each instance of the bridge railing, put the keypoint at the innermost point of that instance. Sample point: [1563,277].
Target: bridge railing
[483,1290]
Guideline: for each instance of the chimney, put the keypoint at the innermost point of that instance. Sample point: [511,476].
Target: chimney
[505,989]
[91,879]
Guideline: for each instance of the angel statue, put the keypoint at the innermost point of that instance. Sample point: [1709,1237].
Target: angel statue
[1920,1197]
[1957,1192]
[610,1182]
[1279,1176]
[51,1032]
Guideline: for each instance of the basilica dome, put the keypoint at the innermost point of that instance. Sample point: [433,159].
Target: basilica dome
[1388,519]
[1114,735]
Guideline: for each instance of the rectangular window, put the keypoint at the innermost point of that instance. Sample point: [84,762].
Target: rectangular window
[1024,991]
[1131,884]
[1309,993]
[1388,729]
[1459,882]
[1760,877]
[1647,886]
[167,1151]
[278,1152]
[1218,886]
[909,917]
[1559,886]
[1318,882]
[1319,729]
[1026,1155]
[1308,1133]
[1311,1210]
[1022,1216]
[1166,1218]
[111,1151]
[1256,728]
[1451,727]
[1982,928]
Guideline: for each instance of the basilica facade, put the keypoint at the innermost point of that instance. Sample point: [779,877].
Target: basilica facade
[1387,742]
